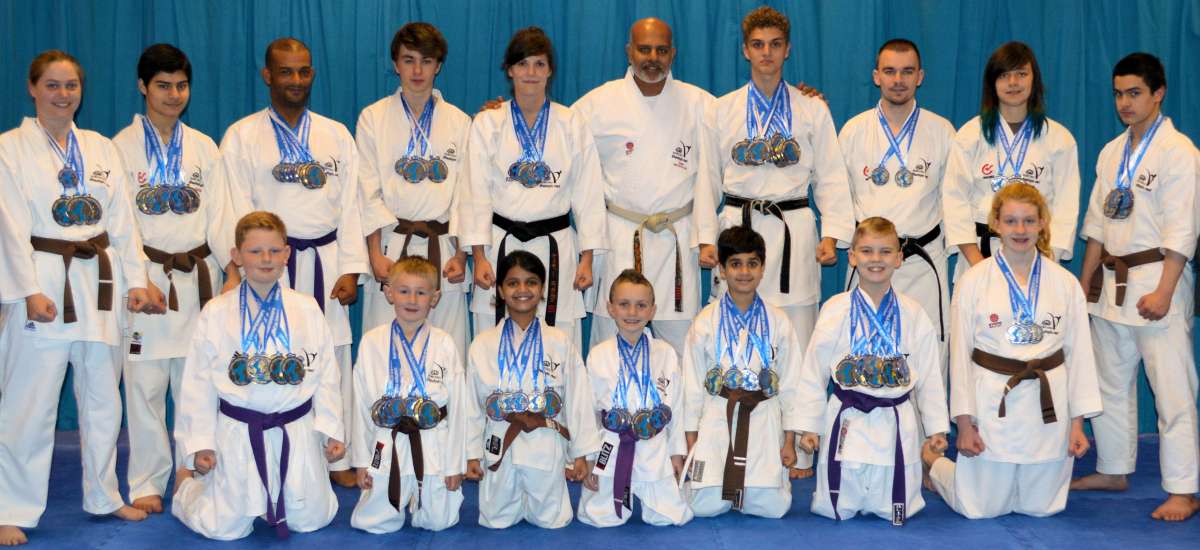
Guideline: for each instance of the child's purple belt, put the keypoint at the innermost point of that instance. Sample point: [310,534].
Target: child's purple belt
[257,423]
[867,403]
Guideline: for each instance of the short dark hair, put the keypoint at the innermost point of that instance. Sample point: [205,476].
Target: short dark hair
[899,45]
[1010,57]
[633,277]
[1142,64]
[527,42]
[420,37]
[740,239]
[285,44]
[765,17]
[524,260]
[162,58]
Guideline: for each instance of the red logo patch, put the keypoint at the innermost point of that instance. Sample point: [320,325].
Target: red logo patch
[628,147]
[994,318]
[987,169]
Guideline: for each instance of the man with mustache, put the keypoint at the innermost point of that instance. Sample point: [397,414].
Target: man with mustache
[896,154]
[302,166]
[646,128]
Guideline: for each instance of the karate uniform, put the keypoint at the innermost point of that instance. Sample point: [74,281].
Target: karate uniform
[16,279]
[151,351]
[529,483]
[443,447]
[867,441]
[653,478]
[1051,165]
[223,503]
[1024,467]
[768,493]
[1164,189]
[383,133]
[916,210]
[35,355]
[248,153]
[649,153]
[576,186]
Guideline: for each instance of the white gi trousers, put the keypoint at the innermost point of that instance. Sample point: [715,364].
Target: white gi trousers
[513,493]
[439,507]
[867,489]
[151,461]
[767,502]
[341,354]
[662,504]
[978,488]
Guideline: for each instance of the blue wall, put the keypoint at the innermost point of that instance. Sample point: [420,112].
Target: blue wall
[833,48]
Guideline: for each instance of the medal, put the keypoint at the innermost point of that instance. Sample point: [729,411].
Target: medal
[874,341]
[1023,303]
[293,369]
[757,153]
[1118,205]
[740,153]
[617,419]
[142,200]
[428,414]
[514,171]
[167,191]
[518,402]
[908,130]
[73,209]
[768,129]
[554,403]
[879,176]
[381,412]
[537,403]
[903,177]
[177,200]
[769,382]
[296,163]
[750,381]
[275,367]
[492,407]
[713,380]
[279,172]
[414,167]
[733,378]
[643,427]
[1020,145]
[775,146]
[77,210]
[59,212]
[846,372]
[68,178]
[412,403]
[436,170]
[411,169]
[532,171]
[661,416]
[789,154]
[193,195]
[312,175]
[238,373]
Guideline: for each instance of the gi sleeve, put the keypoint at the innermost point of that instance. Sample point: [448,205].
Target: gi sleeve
[1065,210]
[787,361]
[352,244]
[1083,386]
[709,181]
[962,341]
[957,202]
[375,213]
[926,355]
[327,403]
[122,226]
[18,278]
[197,409]
[587,189]
[454,456]
[811,396]
[580,417]
[361,424]
[832,182]
[694,366]
[475,394]
[1178,190]
[1093,218]
[676,443]
[475,204]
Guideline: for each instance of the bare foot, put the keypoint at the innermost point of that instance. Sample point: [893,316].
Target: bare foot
[800,473]
[181,475]
[12,536]
[928,457]
[1100,482]
[345,478]
[129,513]
[151,504]
[1177,508]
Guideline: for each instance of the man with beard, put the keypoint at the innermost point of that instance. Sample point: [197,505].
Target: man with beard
[304,167]
[896,155]
[646,128]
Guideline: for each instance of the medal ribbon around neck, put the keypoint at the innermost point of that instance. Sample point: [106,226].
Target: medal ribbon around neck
[1023,304]
[883,326]
[533,142]
[268,324]
[1021,139]
[907,131]
[758,332]
[293,145]
[762,117]
[416,366]
[419,129]
[513,363]
[72,158]
[1126,171]
[635,367]
[167,158]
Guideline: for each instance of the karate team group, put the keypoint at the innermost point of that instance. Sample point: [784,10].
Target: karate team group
[224,274]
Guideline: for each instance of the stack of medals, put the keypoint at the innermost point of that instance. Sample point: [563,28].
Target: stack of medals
[76,206]
[649,420]
[880,175]
[740,352]
[269,324]
[1020,144]
[387,411]
[779,147]
[416,168]
[875,360]
[510,395]
[1024,330]
[530,170]
[166,191]
[296,164]
[1118,205]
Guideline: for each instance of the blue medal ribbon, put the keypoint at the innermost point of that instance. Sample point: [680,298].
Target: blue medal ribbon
[1021,138]
[293,144]
[635,366]
[167,160]
[883,325]
[71,158]
[533,142]
[763,118]
[268,324]
[907,131]
[1023,303]
[419,129]
[1126,171]
[513,362]
[416,366]
[758,331]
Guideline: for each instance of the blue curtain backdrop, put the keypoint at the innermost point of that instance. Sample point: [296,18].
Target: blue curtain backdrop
[833,48]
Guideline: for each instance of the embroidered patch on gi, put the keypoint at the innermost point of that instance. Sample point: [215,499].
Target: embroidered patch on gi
[605,453]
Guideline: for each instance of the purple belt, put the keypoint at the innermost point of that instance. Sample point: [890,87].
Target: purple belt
[257,423]
[866,403]
[319,273]
[623,476]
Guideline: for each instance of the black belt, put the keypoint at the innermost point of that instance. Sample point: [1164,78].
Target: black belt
[985,235]
[772,208]
[525,232]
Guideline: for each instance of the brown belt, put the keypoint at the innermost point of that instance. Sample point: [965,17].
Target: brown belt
[407,426]
[1023,370]
[84,250]
[431,230]
[185,262]
[526,422]
[1121,265]
[733,484]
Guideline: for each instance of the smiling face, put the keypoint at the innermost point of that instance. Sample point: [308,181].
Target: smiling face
[289,76]
[876,257]
[650,51]
[167,95]
[530,75]
[1019,224]
[898,74]
[57,93]
[766,48]
[1014,87]
[262,255]
[742,272]
[631,306]
[412,296]
[521,291]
